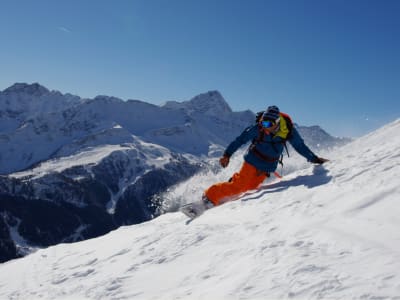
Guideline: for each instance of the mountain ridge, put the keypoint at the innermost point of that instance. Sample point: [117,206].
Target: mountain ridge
[156,124]
[31,135]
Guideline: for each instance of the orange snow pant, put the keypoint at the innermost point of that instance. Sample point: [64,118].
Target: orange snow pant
[248,178]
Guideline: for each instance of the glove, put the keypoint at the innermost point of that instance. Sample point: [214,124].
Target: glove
[319,160]
[224,161]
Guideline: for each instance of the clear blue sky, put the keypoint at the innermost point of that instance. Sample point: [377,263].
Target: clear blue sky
[335,63]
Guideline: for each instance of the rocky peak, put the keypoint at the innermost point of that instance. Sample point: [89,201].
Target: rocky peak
[34,89]
[211,102]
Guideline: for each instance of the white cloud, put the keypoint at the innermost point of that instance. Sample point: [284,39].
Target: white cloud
[63,29]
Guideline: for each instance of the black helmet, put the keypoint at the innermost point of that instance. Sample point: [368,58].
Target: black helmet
[272,113]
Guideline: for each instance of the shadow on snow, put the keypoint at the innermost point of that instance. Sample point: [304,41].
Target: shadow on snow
[317,178]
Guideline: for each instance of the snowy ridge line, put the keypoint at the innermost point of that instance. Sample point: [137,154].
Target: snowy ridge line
[37,125]
[154,155]
[325,232]
[86,157]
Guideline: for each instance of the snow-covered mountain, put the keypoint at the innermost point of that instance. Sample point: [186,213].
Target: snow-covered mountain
[317,138]
[78,168]
[323,232]
[34,129]
[37,125]
[86,194]
[22,101]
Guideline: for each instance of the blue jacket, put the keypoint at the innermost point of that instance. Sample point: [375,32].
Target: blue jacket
[271,147]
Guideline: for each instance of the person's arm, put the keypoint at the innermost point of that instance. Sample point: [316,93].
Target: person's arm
[247,135]
[298,144]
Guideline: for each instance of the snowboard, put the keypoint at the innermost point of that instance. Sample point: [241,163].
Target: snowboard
[195,209]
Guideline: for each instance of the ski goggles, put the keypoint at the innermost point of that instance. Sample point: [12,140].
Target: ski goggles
[267,124]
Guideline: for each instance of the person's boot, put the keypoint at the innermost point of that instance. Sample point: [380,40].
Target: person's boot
[207,202]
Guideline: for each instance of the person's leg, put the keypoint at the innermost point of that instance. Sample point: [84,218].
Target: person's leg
[248,178]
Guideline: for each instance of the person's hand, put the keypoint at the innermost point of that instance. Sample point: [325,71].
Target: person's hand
[319,160]
[224,161]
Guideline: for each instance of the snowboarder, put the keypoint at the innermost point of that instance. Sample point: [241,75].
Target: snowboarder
[268,136]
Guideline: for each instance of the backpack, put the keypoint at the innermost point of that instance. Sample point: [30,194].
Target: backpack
[284,135]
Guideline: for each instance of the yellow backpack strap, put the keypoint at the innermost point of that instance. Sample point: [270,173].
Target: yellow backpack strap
[283,128]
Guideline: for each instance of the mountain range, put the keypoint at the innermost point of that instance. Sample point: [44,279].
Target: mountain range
[77,168]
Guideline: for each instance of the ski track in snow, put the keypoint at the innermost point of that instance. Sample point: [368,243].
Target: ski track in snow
[323,232]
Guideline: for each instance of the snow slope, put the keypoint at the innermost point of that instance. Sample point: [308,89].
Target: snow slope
[323,232]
